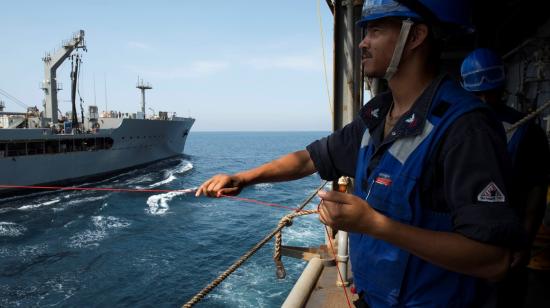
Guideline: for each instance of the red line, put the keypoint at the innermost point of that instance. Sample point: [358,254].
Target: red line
[97,188]
[337,268]
[260,202]
[135,190]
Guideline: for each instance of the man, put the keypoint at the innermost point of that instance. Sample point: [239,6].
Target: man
[483,74]
[429,219]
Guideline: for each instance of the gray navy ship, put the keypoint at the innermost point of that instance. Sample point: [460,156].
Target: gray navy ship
[41,148]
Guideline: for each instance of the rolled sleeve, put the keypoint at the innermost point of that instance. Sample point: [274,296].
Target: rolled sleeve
[336,154]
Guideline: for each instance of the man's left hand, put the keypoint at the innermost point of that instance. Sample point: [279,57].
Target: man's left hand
[347,212]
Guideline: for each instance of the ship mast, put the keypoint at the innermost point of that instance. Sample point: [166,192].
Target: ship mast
[51,63]
[143,86]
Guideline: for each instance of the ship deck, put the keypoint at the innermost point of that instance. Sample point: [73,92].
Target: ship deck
[326,294]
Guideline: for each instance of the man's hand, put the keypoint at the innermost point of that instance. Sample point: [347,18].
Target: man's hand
[347,212]
[221,184]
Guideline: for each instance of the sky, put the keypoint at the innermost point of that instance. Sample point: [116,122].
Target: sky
[239,65]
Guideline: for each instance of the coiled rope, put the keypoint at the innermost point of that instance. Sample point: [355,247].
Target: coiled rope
[201,294]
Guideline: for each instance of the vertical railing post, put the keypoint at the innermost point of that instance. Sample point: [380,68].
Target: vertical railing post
[348,90]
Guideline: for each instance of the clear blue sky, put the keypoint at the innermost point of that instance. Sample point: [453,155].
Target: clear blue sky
[232,65]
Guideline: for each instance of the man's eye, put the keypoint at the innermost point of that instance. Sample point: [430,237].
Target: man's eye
[372,30]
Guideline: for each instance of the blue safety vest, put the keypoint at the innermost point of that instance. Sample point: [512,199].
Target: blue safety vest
[386,274]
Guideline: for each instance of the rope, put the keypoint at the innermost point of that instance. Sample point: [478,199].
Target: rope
[260,202]
[529,117]
[324,56]
[337,267]
[100,189]
[285,221]
[200,295]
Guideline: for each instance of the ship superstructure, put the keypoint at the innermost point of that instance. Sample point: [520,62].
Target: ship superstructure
[43,148]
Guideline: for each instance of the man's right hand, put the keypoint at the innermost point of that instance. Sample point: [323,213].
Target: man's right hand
[221,184]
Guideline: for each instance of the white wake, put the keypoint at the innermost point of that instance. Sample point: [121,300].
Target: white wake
[158,204]
[170,175]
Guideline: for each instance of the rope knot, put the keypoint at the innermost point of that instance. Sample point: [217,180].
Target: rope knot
[285,222]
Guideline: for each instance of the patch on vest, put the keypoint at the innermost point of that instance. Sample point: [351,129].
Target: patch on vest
[383,179]
[491,193]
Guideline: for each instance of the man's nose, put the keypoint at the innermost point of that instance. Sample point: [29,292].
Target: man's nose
[364,43]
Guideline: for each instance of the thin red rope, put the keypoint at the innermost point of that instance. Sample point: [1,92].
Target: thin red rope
[337,268]
[98,188]
[260,202]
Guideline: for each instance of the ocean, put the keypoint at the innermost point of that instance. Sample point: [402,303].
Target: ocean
[105,249]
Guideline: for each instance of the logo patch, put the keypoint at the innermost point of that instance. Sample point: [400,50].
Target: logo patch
[491,193]
[383,179]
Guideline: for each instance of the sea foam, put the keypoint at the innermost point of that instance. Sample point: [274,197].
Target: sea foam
[182,167]
[11,229]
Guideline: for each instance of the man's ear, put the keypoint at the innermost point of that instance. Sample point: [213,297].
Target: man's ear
[417,35]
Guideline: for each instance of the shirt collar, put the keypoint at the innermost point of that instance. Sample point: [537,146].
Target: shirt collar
[412,122]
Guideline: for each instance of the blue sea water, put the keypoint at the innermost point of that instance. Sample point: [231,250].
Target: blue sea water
[103,249]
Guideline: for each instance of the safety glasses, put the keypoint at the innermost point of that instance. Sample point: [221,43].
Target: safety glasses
[493,74]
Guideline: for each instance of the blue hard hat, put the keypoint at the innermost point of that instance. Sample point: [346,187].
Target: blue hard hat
[453,12]
[482,70]
[376,9]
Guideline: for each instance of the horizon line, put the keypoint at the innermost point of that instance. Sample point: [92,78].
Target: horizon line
[259,131]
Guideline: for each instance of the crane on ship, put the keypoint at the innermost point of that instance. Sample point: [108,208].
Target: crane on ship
[50,86]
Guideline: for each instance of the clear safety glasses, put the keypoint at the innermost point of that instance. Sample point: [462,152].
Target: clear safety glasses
[493,74]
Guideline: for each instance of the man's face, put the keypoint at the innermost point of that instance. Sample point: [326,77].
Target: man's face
[378,44]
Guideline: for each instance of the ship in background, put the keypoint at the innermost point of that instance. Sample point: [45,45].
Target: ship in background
[41,148]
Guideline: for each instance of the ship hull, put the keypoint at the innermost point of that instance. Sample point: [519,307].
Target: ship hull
[135,143]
